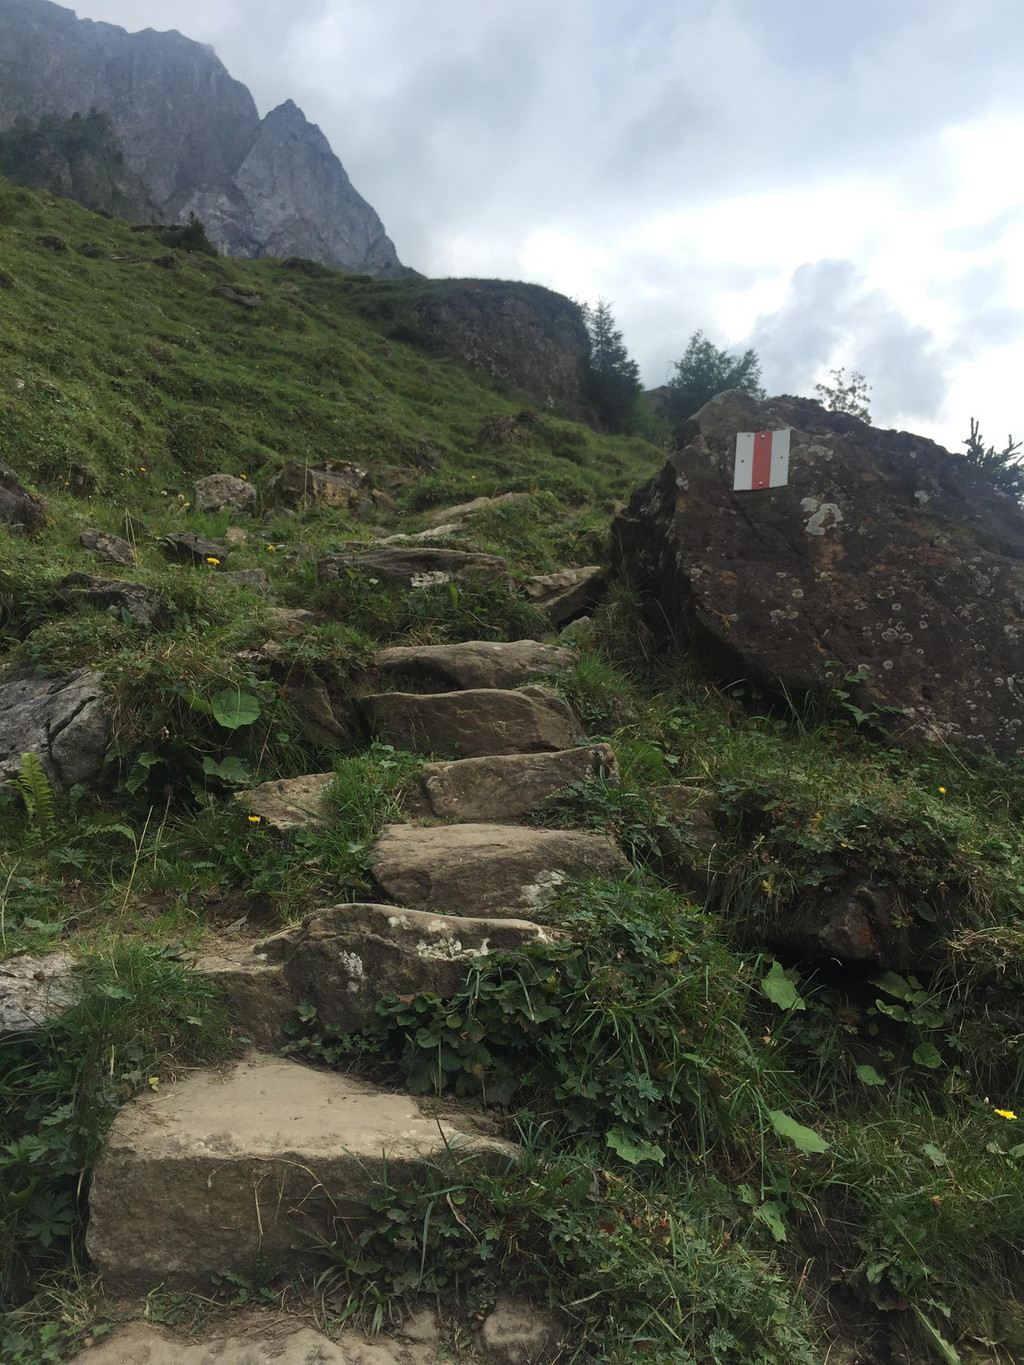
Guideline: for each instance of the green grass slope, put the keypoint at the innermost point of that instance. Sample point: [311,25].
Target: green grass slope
[730,1157]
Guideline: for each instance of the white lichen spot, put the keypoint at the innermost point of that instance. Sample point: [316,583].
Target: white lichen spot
[353,964]
[823,516]
[430,580]
[543,889]
[887,664]
[398,921]
[922,497]
[797,592]
[448,949]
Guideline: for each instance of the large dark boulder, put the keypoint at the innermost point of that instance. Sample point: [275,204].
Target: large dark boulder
[884,552]
[19,510]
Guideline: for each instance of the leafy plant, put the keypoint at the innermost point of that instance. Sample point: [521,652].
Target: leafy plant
[1002,468]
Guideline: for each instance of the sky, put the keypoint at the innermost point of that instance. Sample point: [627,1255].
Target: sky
[831,184]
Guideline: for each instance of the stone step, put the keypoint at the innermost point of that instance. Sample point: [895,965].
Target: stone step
[503,787]
[414,566]
[473,723]
[243,1170]
[343,959]
[472,664]
[481,869]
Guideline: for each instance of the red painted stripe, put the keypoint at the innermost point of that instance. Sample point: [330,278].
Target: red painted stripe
[761,472]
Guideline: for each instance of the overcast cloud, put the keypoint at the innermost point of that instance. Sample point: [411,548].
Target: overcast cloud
[834,185]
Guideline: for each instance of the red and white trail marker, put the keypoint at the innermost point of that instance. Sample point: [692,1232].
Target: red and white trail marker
[762,459]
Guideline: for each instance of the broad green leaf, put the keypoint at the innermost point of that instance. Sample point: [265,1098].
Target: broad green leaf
[948,1353]
[780,990]
[804,1138]
[934,1155]
[772,1216]
[633,1150]
[927,1054]
[867,1075]
[231,770]
[233,709]
[891,984]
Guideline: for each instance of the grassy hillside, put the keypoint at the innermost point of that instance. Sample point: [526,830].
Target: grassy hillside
[731,1157]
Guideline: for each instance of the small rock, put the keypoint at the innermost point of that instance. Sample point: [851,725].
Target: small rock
[471,724]
[567,594]
[518,1333]
[308,486]
[382,501]
[235,536]
[18,508]
[253,579]
[223,493]
[192,549]
[34,990]
[111,548]
[225,291]
[290,803]
[116,597]
[309,698]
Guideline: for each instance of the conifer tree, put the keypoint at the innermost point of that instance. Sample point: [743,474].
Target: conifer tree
[613,380]
[704,371]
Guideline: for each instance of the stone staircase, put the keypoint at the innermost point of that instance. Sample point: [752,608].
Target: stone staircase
[227,1170]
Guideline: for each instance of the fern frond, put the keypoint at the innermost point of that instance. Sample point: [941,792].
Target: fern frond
[37,793]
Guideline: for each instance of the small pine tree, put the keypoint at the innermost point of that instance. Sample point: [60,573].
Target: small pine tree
[844,395]
[613,380]
[704,371]
[1000,467]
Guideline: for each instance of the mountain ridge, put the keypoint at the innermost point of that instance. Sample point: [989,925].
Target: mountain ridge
[194,136]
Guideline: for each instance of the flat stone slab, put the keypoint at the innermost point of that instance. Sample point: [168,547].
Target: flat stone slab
[290,803]
[505,787]
[246,1168]
[475,663]
[256,1339]
[63,720]
[35,989]
[344,959]
[415,567]
[483,870]
[115,597]
[472,723]
[114,549]
[469,509]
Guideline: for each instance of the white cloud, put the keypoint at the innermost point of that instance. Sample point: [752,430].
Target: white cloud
[703,164]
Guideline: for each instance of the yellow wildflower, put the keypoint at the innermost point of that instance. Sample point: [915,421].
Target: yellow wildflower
[212,559]
[271,547]
[255,819]
[1005,1113]
[942,791]
[142,469]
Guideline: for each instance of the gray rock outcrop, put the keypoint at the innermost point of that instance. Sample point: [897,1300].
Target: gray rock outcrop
[34,989]
[505,787]
[63,720]
[474,663]
[192,134]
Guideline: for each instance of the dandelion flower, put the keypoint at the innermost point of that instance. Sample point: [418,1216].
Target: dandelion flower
[1005,1113]
[212,559]
[142,469]
[942,791]
[255,819]
[271,547]
[241,476]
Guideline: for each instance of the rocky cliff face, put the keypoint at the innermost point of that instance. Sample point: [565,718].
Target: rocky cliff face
[193,135]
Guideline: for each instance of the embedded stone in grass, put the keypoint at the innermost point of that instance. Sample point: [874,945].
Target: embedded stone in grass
[116,597]
[419,567]
[114,549]
[192,549]
[62,719]
[474,663]
[504,787]
[469,509]
[253,1169]
[290,803]
[34,990]
[472,723]
[18,508]
[224,493]
[479,869]
[343,960]
[567,594]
